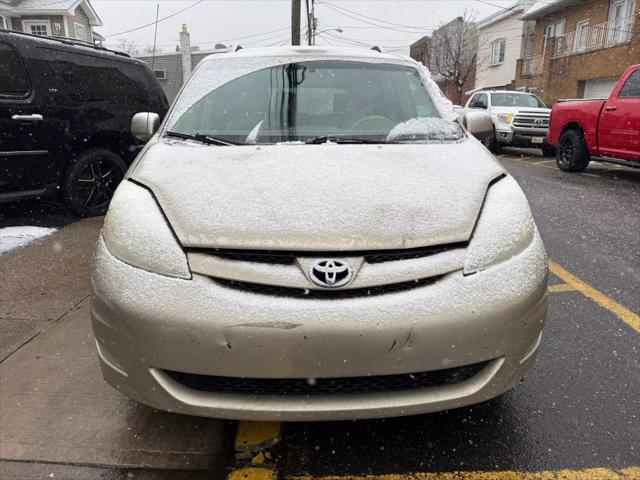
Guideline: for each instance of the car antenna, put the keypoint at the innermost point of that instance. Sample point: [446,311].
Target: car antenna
[153,61]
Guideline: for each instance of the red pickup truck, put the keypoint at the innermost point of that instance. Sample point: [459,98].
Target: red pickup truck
[607,130]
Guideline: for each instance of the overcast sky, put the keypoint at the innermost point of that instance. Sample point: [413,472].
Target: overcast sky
[394,24]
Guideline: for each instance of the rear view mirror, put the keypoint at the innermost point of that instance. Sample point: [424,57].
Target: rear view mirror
[144,125]
[478,124]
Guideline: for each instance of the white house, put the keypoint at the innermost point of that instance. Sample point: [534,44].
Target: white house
[501,37]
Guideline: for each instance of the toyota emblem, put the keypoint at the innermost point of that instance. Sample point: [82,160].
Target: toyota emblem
[330,273]
[539,121]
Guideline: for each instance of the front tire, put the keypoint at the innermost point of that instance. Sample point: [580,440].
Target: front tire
[572,154]
[91,180]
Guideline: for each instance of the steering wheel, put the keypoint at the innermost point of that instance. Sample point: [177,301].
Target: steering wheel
[373,123]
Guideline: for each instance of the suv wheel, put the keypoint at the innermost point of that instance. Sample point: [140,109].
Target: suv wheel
[548,150]
[91,180]
[573,154]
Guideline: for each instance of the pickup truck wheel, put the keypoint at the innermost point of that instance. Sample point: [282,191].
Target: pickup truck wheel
[548,150]
[573,154]
[91,180]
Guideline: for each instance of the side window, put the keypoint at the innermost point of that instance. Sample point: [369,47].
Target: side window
[631,89]
[13,77]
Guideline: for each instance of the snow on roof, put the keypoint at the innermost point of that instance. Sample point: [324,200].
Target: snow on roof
[29,7]
[506,12]
[316,51]
[541,8]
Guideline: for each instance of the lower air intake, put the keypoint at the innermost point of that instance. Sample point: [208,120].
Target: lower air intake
[327,386]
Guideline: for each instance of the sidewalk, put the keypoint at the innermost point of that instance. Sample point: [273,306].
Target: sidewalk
[57,416]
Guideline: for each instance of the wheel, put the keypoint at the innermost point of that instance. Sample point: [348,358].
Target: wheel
[548,150]
[492,144]
[91,180]
[572,154]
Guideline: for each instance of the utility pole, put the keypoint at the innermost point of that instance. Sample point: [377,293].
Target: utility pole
[295,22]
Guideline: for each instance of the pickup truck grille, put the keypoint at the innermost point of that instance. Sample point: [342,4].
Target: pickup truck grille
[529,120]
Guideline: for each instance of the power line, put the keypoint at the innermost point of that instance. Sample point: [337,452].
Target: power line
[154,23]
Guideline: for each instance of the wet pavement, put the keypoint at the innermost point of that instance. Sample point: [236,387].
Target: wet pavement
[578,410]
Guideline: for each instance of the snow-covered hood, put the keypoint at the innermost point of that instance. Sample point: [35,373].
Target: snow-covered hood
[319,197]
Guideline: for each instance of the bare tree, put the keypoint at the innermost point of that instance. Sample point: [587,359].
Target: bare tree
[454,51]
[149,50]
[127,46]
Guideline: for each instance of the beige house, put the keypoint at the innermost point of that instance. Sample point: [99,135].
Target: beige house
[502,39]
[73,19]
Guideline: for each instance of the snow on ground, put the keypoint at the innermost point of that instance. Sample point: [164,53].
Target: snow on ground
[14,237]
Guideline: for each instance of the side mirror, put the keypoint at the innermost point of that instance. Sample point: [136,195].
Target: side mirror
[144,125]
[478,124]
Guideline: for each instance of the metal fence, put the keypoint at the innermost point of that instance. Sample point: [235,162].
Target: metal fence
[586,38]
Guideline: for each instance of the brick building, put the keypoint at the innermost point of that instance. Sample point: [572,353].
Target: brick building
[579,48]
[420,51]
[450,55]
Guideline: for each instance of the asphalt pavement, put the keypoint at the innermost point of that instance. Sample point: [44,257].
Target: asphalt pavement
[576,417]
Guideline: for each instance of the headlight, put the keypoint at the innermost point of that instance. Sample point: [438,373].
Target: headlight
[505,117]
[505,227]
[136,232]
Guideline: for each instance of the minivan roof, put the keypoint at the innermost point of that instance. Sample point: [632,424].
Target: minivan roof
[310,52]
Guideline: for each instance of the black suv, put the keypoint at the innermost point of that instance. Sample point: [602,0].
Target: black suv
[65,119]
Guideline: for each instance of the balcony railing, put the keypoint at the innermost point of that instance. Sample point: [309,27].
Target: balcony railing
[604,35]
[532,66]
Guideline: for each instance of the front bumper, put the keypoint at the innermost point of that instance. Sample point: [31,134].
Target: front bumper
[146,323]
[521,139]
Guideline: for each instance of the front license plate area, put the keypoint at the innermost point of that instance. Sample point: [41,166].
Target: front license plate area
[537,140]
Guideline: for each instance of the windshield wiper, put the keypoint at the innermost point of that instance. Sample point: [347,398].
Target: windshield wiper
[341,140]
[199,137]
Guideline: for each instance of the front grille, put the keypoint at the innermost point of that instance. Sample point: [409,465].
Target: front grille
[370,256]
[326,294]
[327,386]
[528,120]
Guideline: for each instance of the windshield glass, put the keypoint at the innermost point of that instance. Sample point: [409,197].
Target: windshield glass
[306,100]
[516,100]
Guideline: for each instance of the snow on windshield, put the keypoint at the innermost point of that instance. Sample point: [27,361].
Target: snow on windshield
[425,129]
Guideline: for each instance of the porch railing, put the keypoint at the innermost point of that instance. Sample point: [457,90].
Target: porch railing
[604,35]
[532,66]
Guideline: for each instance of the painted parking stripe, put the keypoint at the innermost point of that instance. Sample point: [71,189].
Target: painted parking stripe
[623,313]
[631,473]
[561,287]
[253,444]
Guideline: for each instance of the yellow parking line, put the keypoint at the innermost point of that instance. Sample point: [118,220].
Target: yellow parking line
[623,313]
[561,287]
[631,473]
[533,164]
[253,444]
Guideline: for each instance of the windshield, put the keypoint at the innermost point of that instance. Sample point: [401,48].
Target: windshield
[308,100]
[516,100]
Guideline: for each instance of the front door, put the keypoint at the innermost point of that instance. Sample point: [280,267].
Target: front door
[25,160]
[619,126]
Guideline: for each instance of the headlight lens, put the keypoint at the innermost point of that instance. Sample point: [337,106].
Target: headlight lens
[505,117]
[505,227]
[136,232]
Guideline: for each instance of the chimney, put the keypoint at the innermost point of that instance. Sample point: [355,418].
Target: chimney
[185,51]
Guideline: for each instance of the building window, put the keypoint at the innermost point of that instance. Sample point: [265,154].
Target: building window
[4,22]
[498,48]
[81,32]
[621,21]
[37,27]
[581,39]
[160,74]
[552,31]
